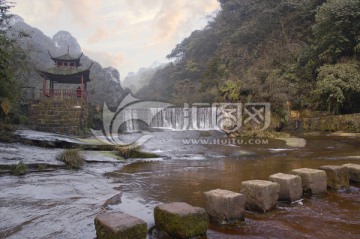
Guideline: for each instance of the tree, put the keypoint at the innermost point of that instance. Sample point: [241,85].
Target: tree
[336,30]
[13,62]
[338,87]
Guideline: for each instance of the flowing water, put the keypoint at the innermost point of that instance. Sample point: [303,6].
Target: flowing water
[169,118]
[63,204]
[188,170]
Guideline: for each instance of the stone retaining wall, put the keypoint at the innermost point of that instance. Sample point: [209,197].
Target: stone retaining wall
[347,123]
[68,116]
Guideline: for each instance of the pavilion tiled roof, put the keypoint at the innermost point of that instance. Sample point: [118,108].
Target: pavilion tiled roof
[64,70]
[66,57]
[66,74]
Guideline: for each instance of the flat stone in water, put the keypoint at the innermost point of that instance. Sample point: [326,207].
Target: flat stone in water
[118,225]
[313,181]
[225,206]
[260,195]
[294,142]
[337,176]
[181,220]
[290,186]
[354,172]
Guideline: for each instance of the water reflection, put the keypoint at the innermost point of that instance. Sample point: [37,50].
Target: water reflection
[181,178]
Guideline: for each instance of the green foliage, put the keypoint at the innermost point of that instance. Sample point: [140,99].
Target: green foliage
[231,90]
[72,158]
[336,29]
[14,65]
[267,51]
[338,87]
[19,169]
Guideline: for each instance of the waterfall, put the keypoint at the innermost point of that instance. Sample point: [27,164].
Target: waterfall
[169,118]
[130,116]
[201,118]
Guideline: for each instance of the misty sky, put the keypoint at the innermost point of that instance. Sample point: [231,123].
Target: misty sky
[126,34]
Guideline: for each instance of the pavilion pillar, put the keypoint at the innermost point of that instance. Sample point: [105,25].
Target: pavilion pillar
[44,86]
[82,86]
[85,90]
[51,88]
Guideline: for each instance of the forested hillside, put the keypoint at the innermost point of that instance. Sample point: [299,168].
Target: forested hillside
[301,51]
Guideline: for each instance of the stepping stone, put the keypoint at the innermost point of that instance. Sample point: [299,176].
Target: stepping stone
[313,181]
[290,186]
[118,225]
[225,206]
[354,172]
[181,220]
[260,195]
[337,177]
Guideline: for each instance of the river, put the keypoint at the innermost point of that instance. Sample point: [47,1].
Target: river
[190,170]
[63,204]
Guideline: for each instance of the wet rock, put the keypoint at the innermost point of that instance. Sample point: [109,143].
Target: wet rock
[354,172]
[313,180]
[240,153]
[14,159]
[225,206]
[118,225]
[37,200]
[115,200]
[181,220]
[19,159]
[290,186]
[294,142]
[48,140]
[101,157]
[337,177]
[344,134]
[260,195]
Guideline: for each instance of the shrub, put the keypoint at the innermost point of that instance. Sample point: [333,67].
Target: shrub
[338,87]
[19,169]
[72,158]
[133,151]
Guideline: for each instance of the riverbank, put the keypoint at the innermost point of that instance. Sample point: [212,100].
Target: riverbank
[47,194]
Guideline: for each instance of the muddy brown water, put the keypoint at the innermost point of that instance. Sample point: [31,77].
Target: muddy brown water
[63,204]
[191,170]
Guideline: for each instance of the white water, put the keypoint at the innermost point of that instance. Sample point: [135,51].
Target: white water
[169,118]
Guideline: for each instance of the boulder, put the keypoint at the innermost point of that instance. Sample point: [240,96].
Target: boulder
[290,186]
[260,195]
[225,206]
[181,220]
[337,177]
[313,180]
[354,172]
[118,225]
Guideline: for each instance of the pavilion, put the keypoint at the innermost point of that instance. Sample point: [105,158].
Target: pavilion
[66,71]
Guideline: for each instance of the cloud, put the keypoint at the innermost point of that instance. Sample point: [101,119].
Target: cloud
[99,35]
[107,59]
[83,11]
[37,11]
[177,16]
[168,19]
[143,31]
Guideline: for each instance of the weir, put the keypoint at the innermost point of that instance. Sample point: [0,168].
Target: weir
[136,119]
